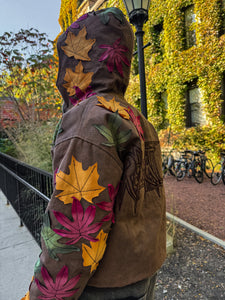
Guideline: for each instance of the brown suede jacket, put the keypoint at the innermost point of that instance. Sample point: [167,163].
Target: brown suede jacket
[105,223]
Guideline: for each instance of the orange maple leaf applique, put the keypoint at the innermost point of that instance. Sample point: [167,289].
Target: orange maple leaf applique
[78,46]
[78,183]
[113,106]
[77,79]
[92,255]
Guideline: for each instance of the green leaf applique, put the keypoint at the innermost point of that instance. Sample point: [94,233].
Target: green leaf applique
[112,134]
[51,240]
[37,267]
[115,11]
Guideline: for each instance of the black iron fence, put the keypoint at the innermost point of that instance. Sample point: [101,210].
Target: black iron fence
[27,189]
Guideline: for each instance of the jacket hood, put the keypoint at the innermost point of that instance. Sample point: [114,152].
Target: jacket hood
[94,56]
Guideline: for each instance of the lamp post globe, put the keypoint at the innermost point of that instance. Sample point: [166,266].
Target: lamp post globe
[137,11]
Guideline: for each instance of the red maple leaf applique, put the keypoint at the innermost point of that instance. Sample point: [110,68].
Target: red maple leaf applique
[136,122]
[81,95]
[62,287]
[115,56]
[81,226]
[108,206]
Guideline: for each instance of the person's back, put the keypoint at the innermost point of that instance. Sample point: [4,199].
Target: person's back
[104,235]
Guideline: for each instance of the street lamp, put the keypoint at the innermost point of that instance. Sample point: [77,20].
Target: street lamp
[138,14]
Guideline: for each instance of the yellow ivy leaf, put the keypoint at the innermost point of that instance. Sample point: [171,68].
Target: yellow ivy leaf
[78,183]
[78,46]
[114,106]
[77,78]
[92,255]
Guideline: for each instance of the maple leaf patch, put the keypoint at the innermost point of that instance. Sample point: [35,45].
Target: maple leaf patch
[113,106]
[92,255]
[61,288]
[79,183]
[81,226]
[77,79]
[78,46]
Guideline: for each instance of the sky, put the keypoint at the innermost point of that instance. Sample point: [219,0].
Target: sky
[40,14]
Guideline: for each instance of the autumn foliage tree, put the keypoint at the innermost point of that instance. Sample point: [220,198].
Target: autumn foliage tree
[28,71]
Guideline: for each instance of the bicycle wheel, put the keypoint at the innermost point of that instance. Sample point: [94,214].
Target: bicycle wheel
[223,174]
[208,168]
[198,173]
[216,174]
[180,171]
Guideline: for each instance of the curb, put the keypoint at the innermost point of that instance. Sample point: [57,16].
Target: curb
[200,232]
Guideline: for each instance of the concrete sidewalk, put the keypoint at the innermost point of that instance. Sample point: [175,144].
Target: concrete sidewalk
[18,254]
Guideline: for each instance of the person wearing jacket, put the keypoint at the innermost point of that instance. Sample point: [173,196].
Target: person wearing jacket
[104,230]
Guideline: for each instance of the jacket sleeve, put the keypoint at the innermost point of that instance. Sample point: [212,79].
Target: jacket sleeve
[78,219]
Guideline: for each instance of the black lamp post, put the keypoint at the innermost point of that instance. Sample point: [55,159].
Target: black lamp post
[138,14]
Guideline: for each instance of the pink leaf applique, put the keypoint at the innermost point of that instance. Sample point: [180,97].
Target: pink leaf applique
[81,95]
[136,122]
[81,226]
[108,206]
[115,56]
[75,24]
[62,287]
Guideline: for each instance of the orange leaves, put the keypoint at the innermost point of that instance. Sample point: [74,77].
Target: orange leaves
[77,78]
[92,255]
[113,106]
[26,297]
[78,183]
[78,46]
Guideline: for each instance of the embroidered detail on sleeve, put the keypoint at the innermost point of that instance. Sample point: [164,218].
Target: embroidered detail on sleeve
[114,55]
[61,288]
[112,134]
[51,241]
[77,79]
[79,183]
[115,11]
[78,46]
[113,106]
[80,226]
[108,206]
[136,122]
[92,255]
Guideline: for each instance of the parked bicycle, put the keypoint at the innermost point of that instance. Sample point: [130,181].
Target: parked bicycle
[168,163]
[193,163]
[202,165]
[183,165]
[218,173]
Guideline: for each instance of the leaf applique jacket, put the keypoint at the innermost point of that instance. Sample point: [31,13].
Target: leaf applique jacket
[105,223]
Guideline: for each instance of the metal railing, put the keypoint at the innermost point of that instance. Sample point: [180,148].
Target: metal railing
[27,189]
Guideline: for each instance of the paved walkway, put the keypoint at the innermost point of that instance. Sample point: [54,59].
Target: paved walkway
[18,254]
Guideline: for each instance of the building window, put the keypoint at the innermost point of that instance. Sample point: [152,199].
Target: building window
[157,32]
[223,98]
[189,21]
[164,105]
[194,107]
[222,17]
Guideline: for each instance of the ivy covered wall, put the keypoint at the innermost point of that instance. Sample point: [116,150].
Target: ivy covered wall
[184,49]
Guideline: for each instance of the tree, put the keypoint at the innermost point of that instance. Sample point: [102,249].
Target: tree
[28,70]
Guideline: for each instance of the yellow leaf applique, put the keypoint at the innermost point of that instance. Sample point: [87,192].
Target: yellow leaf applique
[92,255]
[78,46]
[26,297]
[79,183]
[77,78]
[113,106]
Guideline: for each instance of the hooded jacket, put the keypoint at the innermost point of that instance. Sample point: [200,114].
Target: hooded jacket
[105,224]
